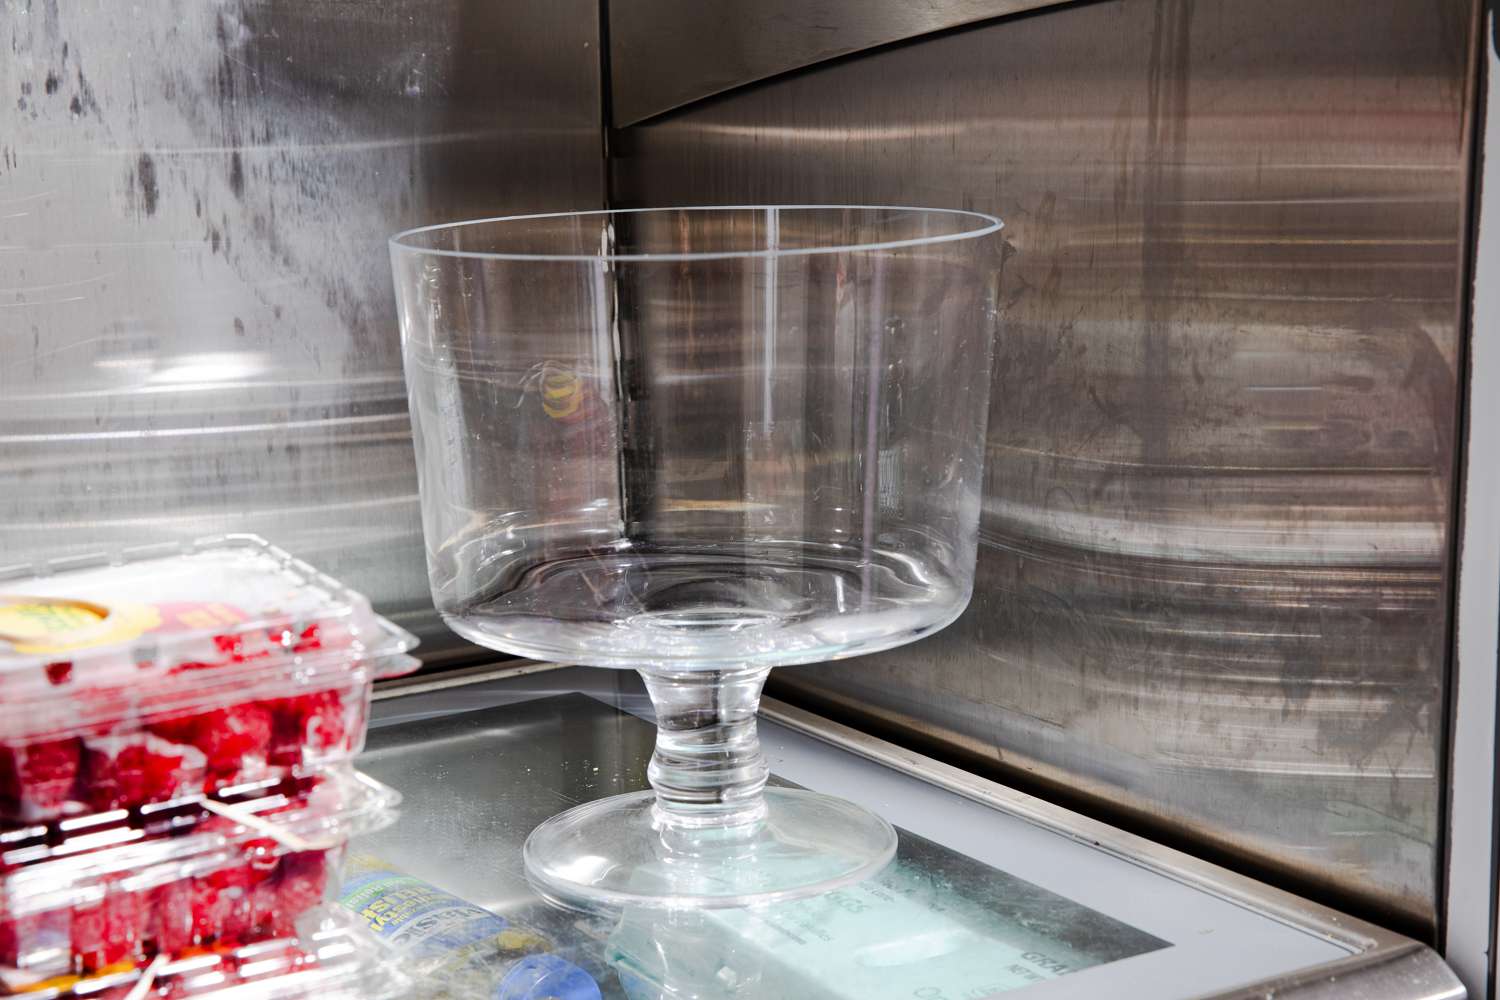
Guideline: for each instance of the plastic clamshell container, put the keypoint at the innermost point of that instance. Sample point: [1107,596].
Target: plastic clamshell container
[206,876]
[331,958]
[162,672]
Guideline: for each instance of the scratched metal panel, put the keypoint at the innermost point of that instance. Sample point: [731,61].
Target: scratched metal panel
[1213,587]
[197,328]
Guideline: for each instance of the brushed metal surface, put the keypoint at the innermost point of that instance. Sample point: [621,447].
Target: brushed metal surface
[667,53]
[1213,586]
[197,328]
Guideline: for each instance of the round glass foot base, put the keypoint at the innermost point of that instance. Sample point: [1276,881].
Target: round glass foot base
[616,854]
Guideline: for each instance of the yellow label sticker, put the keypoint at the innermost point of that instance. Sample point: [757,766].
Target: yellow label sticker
[57,625]
[37,619]
[562,393]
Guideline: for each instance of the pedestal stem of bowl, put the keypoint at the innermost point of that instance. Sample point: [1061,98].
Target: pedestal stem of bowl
[708,769]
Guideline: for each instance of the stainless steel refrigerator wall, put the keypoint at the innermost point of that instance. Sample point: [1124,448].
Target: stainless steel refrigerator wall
[197,329]
[1215,580]
[658,52]
[1214,585]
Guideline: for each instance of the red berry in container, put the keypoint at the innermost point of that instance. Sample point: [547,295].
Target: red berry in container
[271,920]
[122,772]
[111,931]
[37,943]
[300,885]
[170,929]
[260,855]
[242,647]
[235,740]
[265,864]
[309,725]
[222,905]
[310,639]
[15,932]
[37,779]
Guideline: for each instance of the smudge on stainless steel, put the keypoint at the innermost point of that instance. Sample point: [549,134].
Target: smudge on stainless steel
[198,325]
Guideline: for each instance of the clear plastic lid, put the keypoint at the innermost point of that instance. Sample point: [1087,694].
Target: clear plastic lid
[134,852]
[86,642]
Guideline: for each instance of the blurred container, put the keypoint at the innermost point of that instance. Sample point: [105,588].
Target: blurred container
[456,949]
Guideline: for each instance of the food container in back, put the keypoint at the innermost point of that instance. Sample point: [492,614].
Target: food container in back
[160,673]
[209,875]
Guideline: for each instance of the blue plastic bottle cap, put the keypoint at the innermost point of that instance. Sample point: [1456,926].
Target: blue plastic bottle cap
[546,977]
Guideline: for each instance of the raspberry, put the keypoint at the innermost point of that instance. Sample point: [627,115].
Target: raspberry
[181,728]
[222,905]
[313,724]
[123,772]
[37,778]
[310,640]
[271,919]
[235,740]
[265,915]
[14,933]
[229,649]
[260,855]
[110,931]
[243,646]
[36,943]
[170,928]
[300,884]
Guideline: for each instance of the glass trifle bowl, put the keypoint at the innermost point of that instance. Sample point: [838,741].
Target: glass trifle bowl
[700,443]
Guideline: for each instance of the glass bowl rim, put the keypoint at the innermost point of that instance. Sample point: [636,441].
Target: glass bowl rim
[986,224]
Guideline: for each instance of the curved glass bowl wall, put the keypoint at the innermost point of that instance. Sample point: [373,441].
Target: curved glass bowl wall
[700,443]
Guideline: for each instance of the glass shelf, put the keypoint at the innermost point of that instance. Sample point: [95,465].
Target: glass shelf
[993,892]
